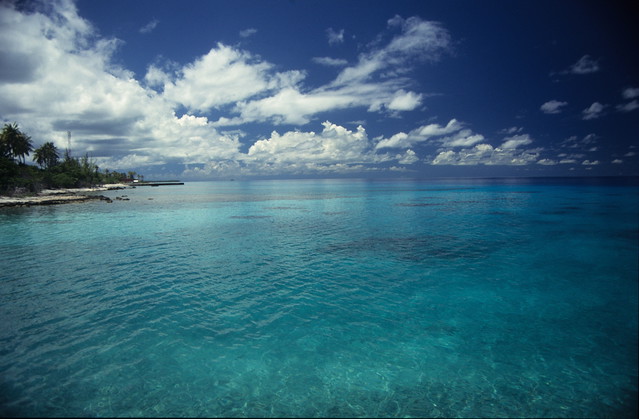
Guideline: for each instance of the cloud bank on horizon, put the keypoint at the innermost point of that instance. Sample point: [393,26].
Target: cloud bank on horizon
[207,118]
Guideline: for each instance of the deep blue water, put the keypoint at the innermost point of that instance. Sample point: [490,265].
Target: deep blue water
[454,298]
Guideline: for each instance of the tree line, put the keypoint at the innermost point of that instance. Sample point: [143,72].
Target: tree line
[52,170]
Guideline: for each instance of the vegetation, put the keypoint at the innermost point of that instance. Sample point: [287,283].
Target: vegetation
[16,176]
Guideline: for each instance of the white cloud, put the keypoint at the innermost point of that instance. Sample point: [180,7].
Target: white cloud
[409,157]
[398,169]
[617,161]
[511,130]
[572,156]
[68,81]
[448,157]
[509,153]
[405,101]
[330,62]
[155,77]
[547,162]
[485,154]
[589,139]
[630,93]
[463,138]
[585,65]
[223,76]
[361,85]
[552,106]
[423,133]
[628,107]
[433,130]
[594,111]
[334,144]
[418,39]
[148,28]
[590,163]
[574,142]
[335,37]
[399,140]
[335,148]
[245,33]
[291,106]
[73,86]
[516,141]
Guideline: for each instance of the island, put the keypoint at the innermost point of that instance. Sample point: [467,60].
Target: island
[54,180]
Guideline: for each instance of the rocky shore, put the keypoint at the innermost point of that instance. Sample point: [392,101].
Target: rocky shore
[60,196]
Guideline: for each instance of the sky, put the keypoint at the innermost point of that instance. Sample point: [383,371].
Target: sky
[198,90]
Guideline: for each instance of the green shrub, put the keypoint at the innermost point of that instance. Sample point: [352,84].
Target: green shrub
[63,180]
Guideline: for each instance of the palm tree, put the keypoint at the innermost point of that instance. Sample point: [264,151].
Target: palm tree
[5,148]
[47,155]
[14,143]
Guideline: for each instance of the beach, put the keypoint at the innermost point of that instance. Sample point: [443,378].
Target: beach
[61,196]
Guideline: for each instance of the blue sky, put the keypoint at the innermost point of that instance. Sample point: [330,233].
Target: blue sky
[301,88]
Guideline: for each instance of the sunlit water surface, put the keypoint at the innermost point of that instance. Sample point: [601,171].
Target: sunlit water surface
[324,298]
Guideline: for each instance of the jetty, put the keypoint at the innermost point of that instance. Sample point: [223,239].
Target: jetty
[158,183]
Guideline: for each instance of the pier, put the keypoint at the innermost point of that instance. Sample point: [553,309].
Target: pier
[158,183]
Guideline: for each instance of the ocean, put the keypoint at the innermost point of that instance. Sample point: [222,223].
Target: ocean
[325,298]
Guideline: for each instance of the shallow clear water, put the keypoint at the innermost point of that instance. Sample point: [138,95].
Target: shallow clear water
[324,298]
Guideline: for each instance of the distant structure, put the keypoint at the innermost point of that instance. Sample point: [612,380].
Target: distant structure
[68,142]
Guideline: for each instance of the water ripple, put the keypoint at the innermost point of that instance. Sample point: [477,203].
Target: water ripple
[323,299]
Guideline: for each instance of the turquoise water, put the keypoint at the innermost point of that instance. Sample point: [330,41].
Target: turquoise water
[453,298]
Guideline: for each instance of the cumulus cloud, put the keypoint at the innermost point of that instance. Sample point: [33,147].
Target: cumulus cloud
[335,37]
[423,133]
[516,141]
[245,33]
[291,106]
[587,141]
[460,146]
[510,153]
[409,157]
[330,62]
[511,130]
[547,162]
[334,144]
[552,106]
[360,85]
[69,81]
[399,140]
[594,111]
[375,82]
[418,39]
[628,107]
[223,76]
[463,138]
[485,154]
[405,101]
[630,93]
[585,65]
[74,86]
[148,28]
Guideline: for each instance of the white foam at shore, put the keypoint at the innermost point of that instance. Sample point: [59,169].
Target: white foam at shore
[106,187]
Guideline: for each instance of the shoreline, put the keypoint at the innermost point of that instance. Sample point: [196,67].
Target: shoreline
[61,196]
